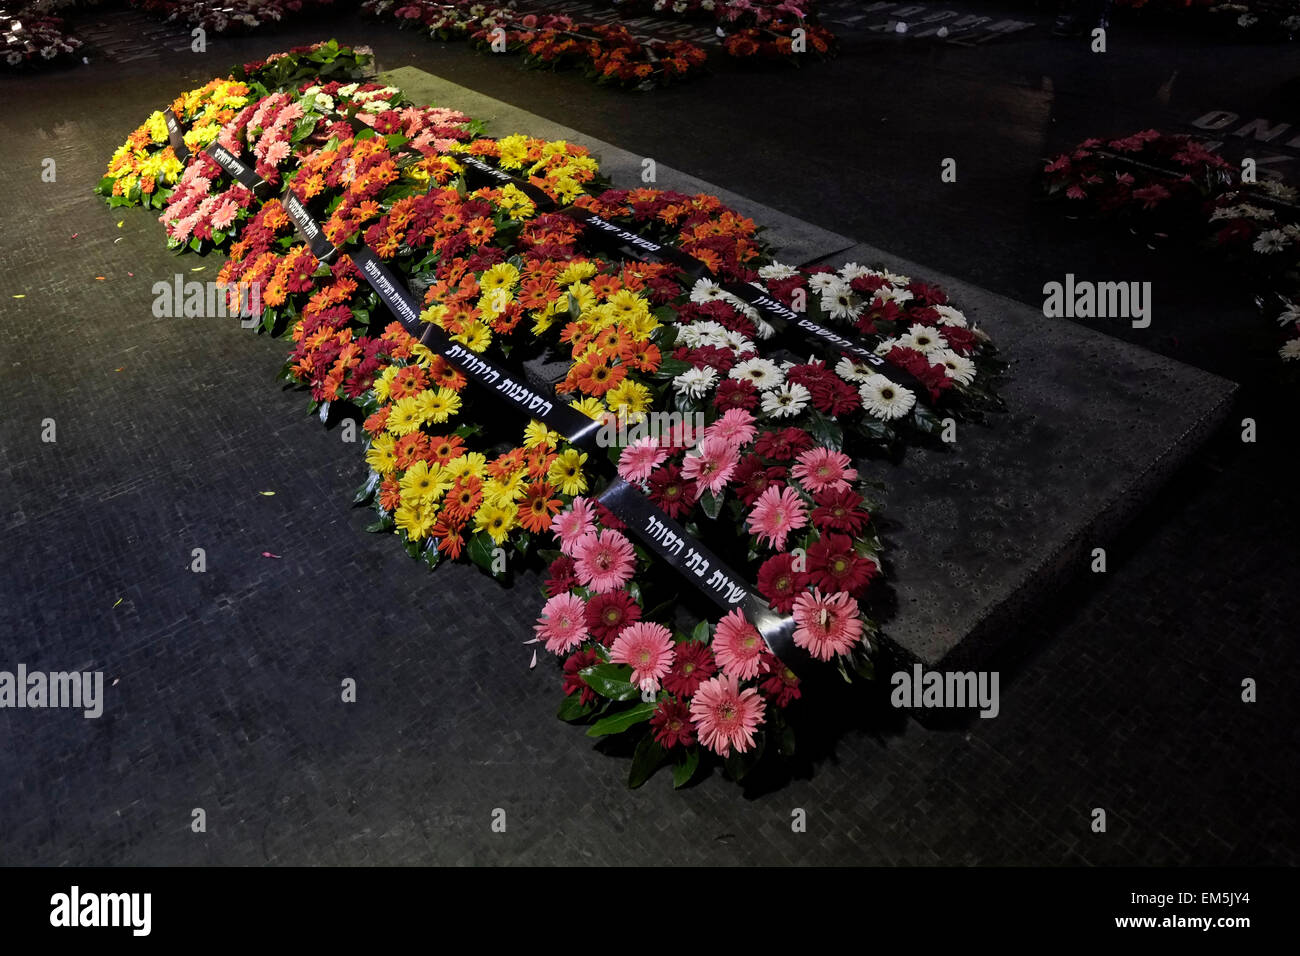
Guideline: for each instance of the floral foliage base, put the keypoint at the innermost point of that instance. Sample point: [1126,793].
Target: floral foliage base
[1171,187]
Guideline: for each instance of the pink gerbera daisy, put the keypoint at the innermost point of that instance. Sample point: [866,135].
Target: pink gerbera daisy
[736,427]
[648,649]
[822,468]
[604,561]
[776,513]
[826,624]
[725,716]
[224,214]
[738,647]
[277,152]
[713,465]
[639,459]
[573,525]
[563,624]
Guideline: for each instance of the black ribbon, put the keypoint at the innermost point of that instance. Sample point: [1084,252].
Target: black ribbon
[631,245]
[307,227]
[175,136]
[674,545]
[485,174]
[239,170]
[507,385]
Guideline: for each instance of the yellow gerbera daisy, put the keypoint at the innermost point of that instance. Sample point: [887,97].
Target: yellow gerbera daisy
[470,463]
[501,276]
[630,399]
[416,517]
[405,417]
[435,405]
[496,520]
[566,472]
[576,272]
[535,433]
[380,456]
[423,481]
[590,406]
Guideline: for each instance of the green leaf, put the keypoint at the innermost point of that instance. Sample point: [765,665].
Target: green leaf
[701,632]
[621,721]
[611,680]
[572,708]
[712,506]
[383,524]
[367,489]
[670,368]
[481,550]
[646,759]
[684,769]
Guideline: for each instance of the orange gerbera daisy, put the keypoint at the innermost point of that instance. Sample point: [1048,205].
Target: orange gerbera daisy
[390,493]
[444,448]
[480,231]
[410,449]
[539,461]
[445,374]
[604,286]
[376,422]
[538,507]
[447,533]
[643,356]
[506,464]
[597,379]
[464,497]
[537,293]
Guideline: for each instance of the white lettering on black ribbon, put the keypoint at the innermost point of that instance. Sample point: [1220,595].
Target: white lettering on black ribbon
[486,174]
[630,245]
[175,136]
[672,543]
[307,227]
[238,170]
[506,385]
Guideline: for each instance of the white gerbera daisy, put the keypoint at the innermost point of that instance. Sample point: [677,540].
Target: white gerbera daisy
[957,367]
[1270,241]
[887,345]
[851,270]
[696,382]
[841,303]
[777,270]
[885,399]
[888,293]
[893,278]
[923,339]
[787,401]
[950,316]
[1225,212]
[706,291]
[737,342]
[1276,189]
[1290,352]
[347,89]
[762,373]
[821,281]
[763,328]
[1289,315]
[851,371]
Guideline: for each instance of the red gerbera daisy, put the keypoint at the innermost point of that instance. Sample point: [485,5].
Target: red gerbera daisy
[607,614]
[780,583]
[693,665]
[671,724]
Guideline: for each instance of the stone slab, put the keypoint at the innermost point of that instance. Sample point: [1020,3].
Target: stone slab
[977,533]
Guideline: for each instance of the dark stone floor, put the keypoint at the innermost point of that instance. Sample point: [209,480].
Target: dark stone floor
[1126,694]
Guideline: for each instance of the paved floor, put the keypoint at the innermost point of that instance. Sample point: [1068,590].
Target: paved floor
[226,695]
